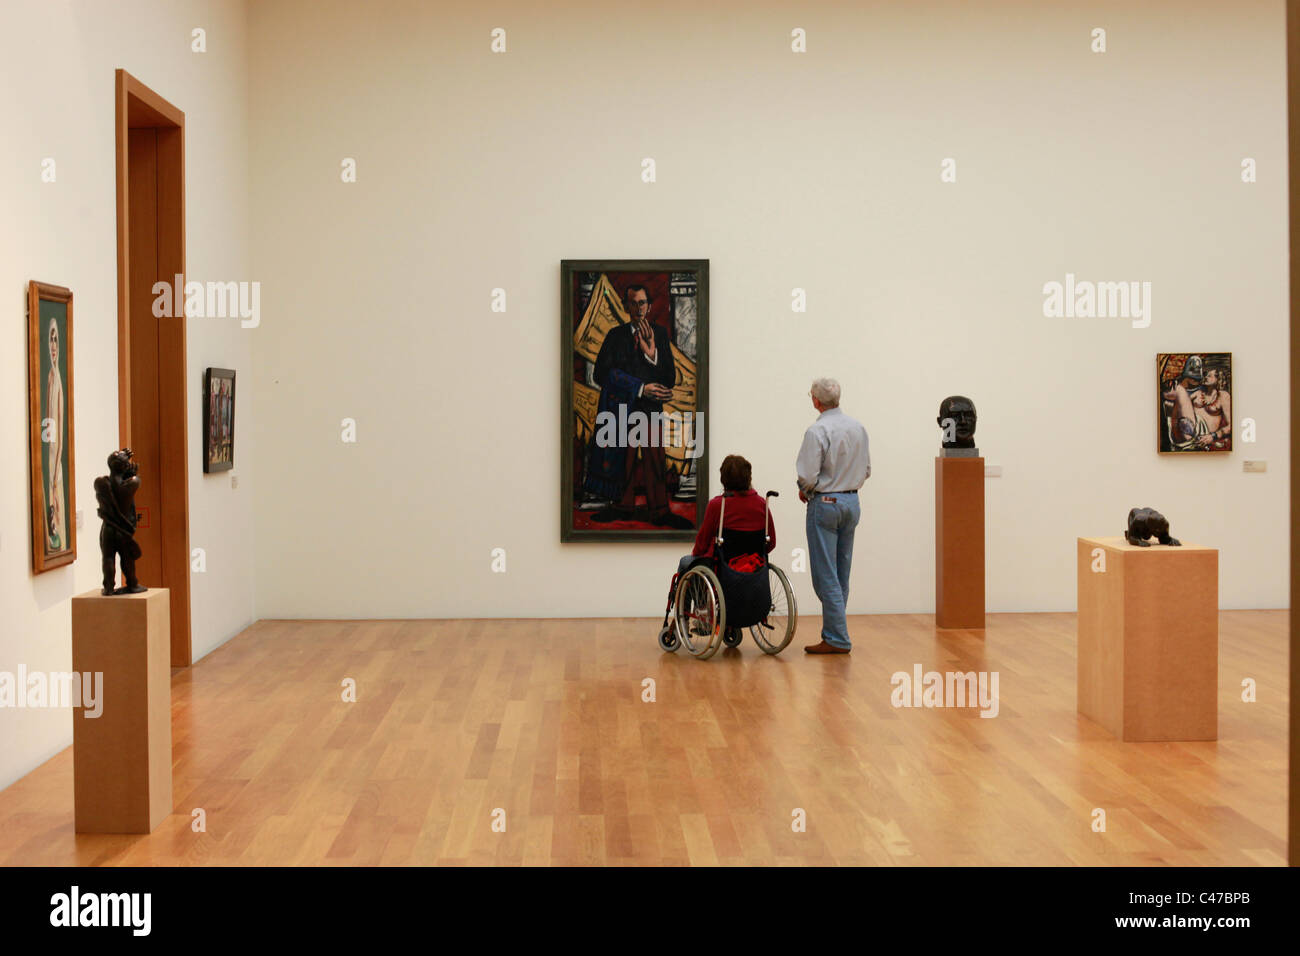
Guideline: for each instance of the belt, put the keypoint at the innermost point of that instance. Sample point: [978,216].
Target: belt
[835,492]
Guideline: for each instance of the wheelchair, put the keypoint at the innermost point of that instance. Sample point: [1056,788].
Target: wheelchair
[713,603]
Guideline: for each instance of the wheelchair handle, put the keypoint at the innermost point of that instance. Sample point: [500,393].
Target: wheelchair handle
[722,513]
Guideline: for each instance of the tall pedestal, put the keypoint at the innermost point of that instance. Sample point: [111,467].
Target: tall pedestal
[959,542]
[1149,639]
[122,759]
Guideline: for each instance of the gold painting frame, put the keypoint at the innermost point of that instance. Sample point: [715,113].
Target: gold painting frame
[50,426]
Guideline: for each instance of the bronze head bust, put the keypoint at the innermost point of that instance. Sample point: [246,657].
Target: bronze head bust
[957,418]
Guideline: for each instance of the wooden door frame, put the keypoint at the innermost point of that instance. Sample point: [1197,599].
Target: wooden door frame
[137,106]
[1293,149]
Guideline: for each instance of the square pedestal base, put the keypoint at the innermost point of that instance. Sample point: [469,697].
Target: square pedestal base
[959,542]
[1149,639]
[122,759]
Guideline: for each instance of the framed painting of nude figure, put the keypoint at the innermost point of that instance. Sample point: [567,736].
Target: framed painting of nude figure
[1194,392]
[49,426]
[633,399]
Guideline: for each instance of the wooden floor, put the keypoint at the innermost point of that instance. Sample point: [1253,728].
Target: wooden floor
[545,721]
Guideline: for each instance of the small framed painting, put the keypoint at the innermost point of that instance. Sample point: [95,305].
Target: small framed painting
[49,392]
[1194,392]
[218,419]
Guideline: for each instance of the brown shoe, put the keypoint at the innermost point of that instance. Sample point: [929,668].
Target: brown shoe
[823,648]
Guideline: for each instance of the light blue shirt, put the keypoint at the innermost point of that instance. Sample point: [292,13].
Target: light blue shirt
[834,456]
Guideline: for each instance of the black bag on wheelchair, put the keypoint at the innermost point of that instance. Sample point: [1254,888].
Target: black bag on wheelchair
[748,593]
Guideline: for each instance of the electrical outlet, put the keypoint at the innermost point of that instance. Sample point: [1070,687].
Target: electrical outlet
[992,471]
[81,519]
[1254,467]
[234,481]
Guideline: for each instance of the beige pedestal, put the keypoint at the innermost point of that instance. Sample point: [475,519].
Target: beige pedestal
[959,542]
[122,760]
[1149,639]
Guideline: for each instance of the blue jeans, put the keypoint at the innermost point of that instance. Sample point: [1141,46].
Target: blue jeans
[831,522]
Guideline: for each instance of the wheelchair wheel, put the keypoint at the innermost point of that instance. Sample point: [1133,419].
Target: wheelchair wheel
[668,639]
[775,631]
[733,637]
[701,613]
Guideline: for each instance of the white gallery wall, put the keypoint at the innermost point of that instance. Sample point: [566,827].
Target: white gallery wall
[818,170]
[57,102]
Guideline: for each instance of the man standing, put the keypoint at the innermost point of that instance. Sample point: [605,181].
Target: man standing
[635,372]
[833,463]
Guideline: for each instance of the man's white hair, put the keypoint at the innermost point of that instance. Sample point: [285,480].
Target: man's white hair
[827,391]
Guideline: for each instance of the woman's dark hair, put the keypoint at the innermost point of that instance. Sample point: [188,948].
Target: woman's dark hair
[735,473]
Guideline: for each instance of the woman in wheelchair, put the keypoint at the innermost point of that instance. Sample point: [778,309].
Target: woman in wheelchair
[734,582]
[745,509]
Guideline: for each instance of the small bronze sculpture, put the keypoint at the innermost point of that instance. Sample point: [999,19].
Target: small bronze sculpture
[1146,523]
[115,493]
[957,418]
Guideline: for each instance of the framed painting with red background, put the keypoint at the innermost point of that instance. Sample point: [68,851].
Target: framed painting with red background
[634,399]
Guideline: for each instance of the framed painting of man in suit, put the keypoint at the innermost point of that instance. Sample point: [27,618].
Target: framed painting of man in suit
[634,397]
